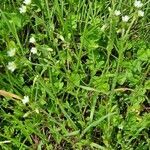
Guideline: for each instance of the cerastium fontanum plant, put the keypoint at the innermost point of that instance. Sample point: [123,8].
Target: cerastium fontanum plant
[74,74]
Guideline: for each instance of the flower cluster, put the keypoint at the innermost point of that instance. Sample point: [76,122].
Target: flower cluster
[125,18]
[33,50]
[11,65]
[139,4]
[23,7]
[11,53]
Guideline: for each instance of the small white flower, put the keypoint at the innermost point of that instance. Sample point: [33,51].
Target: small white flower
[120,126]
[57,61]
[27,2]
[109,9]
[11,52]
[25,99]
[11,66]
[117,12]
[50,49]
[125,18]
[23,9]
[37,111]
[140,13]
[32,40]
[34,50]
[138,4]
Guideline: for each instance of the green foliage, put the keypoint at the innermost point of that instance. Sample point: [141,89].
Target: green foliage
[84,69]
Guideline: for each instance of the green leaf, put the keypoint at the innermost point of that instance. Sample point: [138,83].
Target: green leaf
[143,54]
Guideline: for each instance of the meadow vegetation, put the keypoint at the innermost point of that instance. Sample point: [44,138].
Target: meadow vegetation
[74,75]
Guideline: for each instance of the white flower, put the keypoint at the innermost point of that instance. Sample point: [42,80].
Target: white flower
[23,9]
[11,52]
[109,9]
[138,4]
[11,66]
[140,13]
[32,40]
[50,49]
[27,2]
[34,50]
[120,126]
[25,99]
[37,111]
[117,12]
[125,18]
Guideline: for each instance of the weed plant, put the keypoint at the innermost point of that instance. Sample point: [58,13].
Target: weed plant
[74,74]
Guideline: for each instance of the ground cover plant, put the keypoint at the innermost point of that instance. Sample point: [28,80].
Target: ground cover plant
[74,75]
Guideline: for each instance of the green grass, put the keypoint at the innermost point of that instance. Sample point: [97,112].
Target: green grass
[89,82]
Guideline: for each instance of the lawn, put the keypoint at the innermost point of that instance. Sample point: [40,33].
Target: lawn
[74,75]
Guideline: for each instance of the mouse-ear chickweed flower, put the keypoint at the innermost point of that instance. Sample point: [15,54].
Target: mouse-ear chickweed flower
[11,52]
[125,18]
[33,50]
[25,99]
[23,9]
[138,4]
[109,9]
[11,66]
[27,2]
[117,12]
[32,40]
[37,111]
[50,49]
[140,13]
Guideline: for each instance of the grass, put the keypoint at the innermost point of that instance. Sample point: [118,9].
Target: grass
[88,82]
